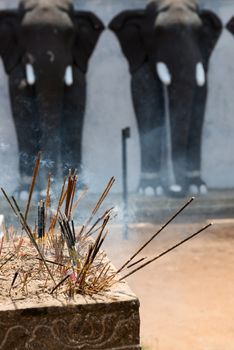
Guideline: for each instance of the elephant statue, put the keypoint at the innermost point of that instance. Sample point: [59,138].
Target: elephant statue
[45,46]
[168,45]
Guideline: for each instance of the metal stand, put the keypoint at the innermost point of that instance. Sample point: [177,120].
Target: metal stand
[125,135]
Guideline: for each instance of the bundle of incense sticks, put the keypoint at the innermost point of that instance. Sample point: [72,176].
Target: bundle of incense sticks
[70,260]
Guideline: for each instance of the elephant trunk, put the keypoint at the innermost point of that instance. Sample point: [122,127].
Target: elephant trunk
[181,105]
[49,101]
[178,106]
[182,74]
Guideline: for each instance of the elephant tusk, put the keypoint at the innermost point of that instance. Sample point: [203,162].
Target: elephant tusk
[68,77]
[30,75]
[200,74]
[163,73]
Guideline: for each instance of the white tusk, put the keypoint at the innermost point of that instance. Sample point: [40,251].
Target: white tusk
[163,73]
[68,78]
[30,75]
[200,74]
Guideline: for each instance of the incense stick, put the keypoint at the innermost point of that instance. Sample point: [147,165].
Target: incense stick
[9,201]
[135,263]
[166,251]
[35,171]
[60,202]
[69,254]
[100,201]
[156,234]
[60,283]
[6,261]
[14,279]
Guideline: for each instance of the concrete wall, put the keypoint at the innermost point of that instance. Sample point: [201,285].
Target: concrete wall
[109,108]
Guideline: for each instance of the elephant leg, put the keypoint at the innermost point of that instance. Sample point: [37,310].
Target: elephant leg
[194,180]
[72,122]
[181,99]
[148,105]
[26,123]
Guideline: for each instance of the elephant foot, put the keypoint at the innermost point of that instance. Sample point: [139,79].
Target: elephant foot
[22,194]
[195,189]
[197,186]
[151,192]
[147,191]
[159,191]
[151,188]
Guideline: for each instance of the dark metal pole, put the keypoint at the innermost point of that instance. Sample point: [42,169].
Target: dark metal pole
[126,134]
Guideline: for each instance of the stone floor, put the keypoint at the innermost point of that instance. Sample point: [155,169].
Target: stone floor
[216,204]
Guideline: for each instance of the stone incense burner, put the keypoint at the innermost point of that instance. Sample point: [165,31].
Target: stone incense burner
[58,290]
[103,322]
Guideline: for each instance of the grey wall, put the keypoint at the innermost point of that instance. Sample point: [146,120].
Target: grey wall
[218,138]
[110,108]
[8,144]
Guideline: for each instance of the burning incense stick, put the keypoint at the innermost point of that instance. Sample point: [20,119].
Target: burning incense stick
[156,234]
[167,251]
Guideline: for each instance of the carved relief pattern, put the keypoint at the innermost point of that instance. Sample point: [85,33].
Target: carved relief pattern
[74,330]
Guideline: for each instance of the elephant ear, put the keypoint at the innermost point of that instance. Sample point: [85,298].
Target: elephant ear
[10,49]
[128,27]
[88,28]
[230,26]
[210,32]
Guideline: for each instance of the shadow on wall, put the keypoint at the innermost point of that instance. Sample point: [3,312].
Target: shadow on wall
[109,109]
